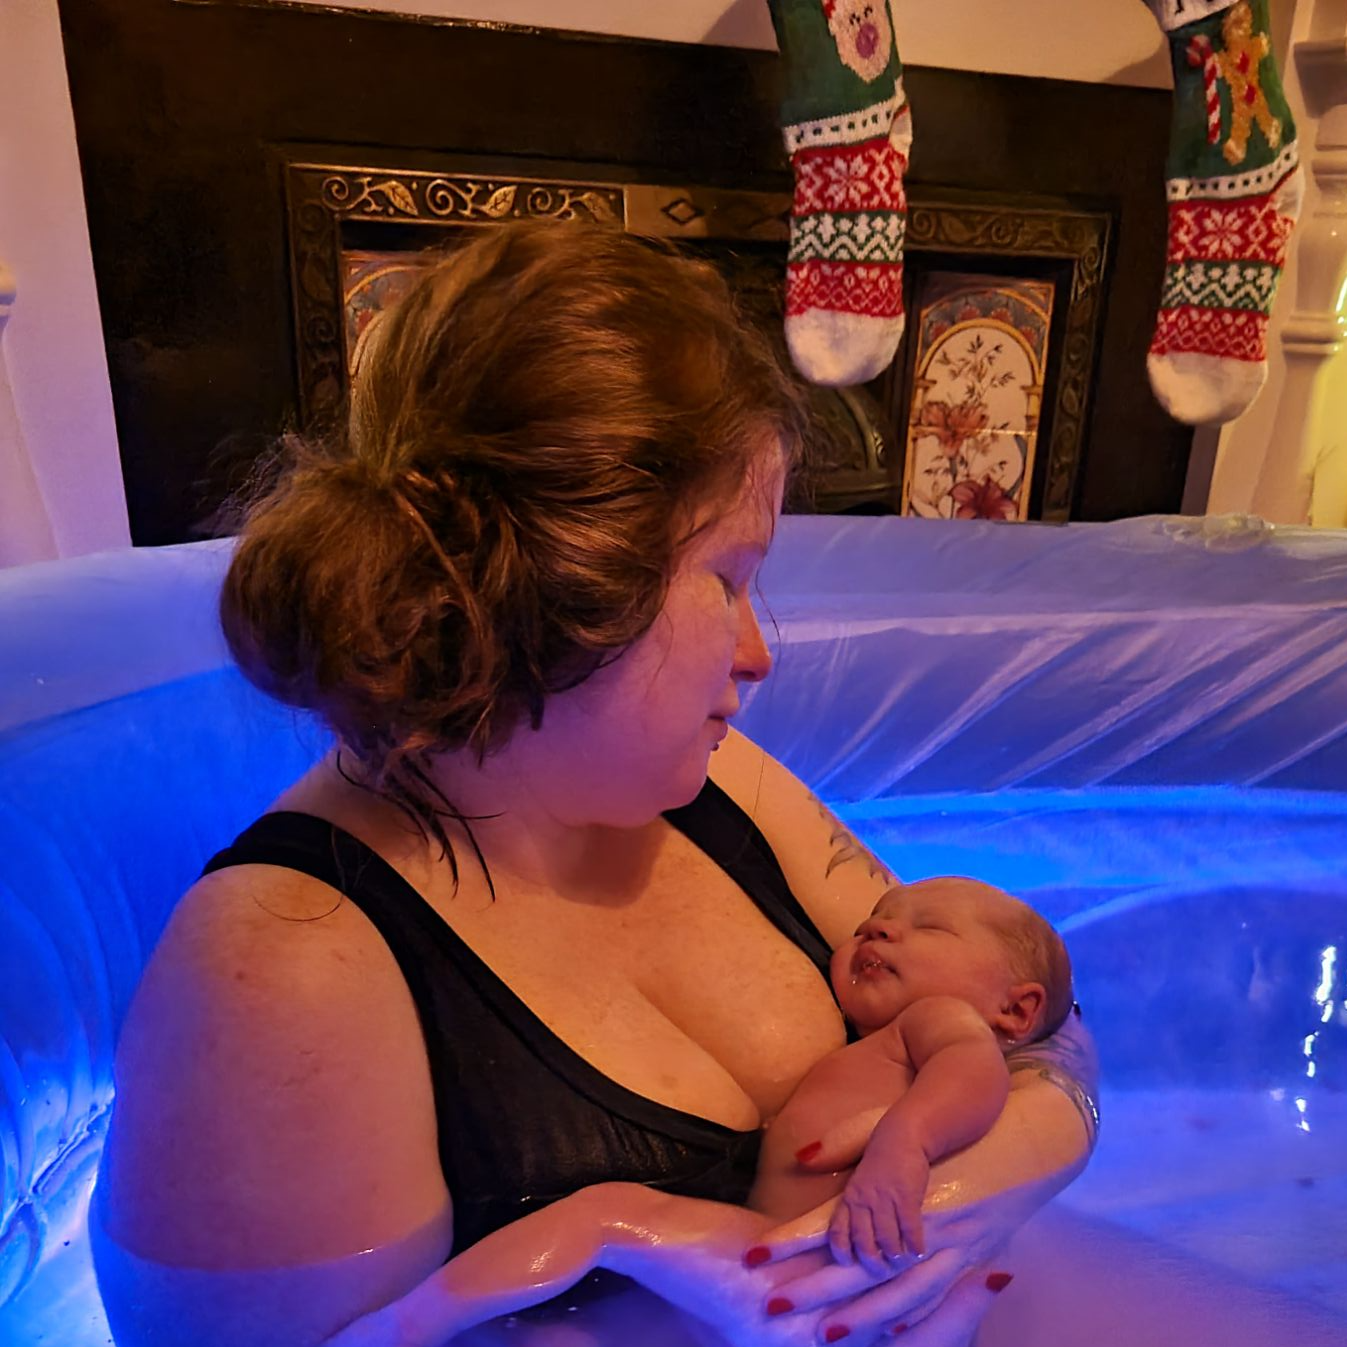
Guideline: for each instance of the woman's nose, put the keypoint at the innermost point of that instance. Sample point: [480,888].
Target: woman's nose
[752,659]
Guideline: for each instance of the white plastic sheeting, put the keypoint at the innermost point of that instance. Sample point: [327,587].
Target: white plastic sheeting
[919,657]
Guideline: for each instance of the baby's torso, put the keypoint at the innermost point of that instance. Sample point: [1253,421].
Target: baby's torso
[864,1077]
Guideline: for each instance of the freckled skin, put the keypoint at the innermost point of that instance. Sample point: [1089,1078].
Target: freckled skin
[689,1252]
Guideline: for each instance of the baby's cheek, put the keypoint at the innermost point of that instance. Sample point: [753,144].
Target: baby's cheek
[839,968]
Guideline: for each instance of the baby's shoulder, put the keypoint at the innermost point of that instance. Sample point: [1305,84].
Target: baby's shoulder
[887,1044]
[935,1022]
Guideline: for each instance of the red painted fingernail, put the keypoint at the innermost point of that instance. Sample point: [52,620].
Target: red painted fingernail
[759,1253]
[836,1333]
[808,1152]
[780,1305]
[998,1281]
[899,1328]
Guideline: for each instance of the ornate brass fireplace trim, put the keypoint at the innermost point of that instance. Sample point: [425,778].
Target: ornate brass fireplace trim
[323,198]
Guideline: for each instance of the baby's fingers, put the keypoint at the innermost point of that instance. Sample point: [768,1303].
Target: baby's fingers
[913,1236]
[841,1232]
[865,1244]
[890,1233]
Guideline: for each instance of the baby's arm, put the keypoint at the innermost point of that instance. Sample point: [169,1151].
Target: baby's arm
[959,1090]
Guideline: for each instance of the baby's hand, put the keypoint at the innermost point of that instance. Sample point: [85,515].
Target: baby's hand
[878,1218]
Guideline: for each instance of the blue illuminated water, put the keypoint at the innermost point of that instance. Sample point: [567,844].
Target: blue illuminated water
[1209,934]
[1208,931]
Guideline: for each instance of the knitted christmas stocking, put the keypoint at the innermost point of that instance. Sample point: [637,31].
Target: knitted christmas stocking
[1234,188]
[848,132]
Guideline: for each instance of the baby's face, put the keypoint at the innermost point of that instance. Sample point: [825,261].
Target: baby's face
[934,938]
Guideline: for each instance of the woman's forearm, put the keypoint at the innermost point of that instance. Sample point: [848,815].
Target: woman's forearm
[1068,1060]
[522,1264]
[684,1250]
[1036,1147]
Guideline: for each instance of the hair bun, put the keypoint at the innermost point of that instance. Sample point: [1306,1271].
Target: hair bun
[502,512]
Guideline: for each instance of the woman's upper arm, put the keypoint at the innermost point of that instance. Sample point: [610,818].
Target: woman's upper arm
[1067,1060]
[1033,1150]
[837,880]
[273,1103]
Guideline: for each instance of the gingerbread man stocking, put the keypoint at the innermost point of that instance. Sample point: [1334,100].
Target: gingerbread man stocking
[848,132]
[1234,185]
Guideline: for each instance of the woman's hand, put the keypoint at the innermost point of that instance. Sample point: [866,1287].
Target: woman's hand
[946,1291]
[977,1198]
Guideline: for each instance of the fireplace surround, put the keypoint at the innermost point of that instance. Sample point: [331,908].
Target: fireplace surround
[235,152]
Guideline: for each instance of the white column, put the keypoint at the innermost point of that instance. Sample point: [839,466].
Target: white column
[1286,458]
[25,530]
[1311,412]
[57,434]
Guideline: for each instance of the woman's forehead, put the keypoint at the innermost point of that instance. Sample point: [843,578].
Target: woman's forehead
[749,519]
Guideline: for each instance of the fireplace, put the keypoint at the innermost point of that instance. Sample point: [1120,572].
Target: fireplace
[256,175]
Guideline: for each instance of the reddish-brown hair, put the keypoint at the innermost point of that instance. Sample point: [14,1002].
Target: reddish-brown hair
[530,431]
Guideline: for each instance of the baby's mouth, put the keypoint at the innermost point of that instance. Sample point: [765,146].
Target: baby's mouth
[867,963]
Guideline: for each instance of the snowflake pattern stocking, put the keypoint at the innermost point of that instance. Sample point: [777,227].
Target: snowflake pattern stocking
[848,132]
[1234,185]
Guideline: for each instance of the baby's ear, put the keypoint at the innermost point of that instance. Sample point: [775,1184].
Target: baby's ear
[1021,1012]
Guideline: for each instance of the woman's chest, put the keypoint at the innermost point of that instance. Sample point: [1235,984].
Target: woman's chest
[687,995]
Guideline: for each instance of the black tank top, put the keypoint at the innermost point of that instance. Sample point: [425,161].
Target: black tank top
[523,1120]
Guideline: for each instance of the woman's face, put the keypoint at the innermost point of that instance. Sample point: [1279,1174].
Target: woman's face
[635,738]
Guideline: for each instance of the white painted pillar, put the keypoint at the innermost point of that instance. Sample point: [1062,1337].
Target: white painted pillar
[1311,412]
[58,439]
[1286,458]
[25,529]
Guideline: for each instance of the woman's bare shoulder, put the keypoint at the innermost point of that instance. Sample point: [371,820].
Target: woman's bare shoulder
[835,877]
[273,1095]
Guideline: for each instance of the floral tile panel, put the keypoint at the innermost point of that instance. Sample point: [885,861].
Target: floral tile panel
[371,282]
[977,391]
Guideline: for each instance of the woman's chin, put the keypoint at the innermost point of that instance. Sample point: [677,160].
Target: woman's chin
[688,785]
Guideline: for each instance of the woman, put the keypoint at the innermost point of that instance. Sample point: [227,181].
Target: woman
[509,940]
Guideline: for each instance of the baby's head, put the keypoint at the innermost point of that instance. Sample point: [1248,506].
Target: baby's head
[955,937]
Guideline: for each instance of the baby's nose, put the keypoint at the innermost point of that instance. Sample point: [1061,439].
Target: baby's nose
[875,929]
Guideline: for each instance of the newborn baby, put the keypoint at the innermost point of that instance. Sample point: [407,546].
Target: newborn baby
[941,979]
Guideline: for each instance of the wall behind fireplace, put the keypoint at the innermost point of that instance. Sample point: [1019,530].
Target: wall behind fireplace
[1100,41]
[186,113]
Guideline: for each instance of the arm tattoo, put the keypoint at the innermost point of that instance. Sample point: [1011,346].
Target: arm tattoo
[1068,1060]
[845,846]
